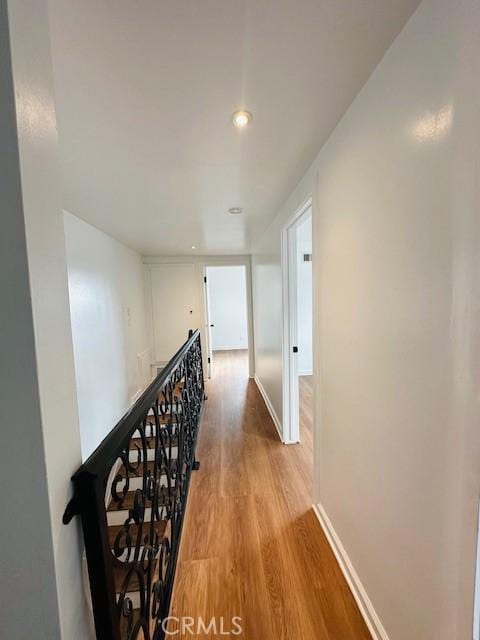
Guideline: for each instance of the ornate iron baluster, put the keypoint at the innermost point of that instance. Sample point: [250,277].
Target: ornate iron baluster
[131,495]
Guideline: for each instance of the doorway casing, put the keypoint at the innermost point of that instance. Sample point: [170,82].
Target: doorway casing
[291,408]
[201,262]
[230,261]
[233,262]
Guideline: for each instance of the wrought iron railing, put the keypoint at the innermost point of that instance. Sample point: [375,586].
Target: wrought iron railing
[131,495]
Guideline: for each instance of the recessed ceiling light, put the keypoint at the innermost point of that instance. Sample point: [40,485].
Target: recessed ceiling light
[240,119]
[193,246]
[235,210]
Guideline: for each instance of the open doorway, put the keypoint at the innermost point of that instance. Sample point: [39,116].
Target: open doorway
[226,305]
[298,328]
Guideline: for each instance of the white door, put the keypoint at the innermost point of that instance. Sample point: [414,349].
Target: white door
[209,325]
[176,306]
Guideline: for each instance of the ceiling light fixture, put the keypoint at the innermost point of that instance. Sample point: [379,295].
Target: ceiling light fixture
[235,210]
[240,119]
[193,246]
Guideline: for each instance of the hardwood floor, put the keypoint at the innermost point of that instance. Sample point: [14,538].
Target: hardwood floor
[306,414]
[251,544]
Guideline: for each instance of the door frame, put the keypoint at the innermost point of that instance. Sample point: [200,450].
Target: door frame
[230,261]
[208,323]
[200,262]
[291,404]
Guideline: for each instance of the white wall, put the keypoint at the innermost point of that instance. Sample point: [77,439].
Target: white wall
[397,299]
[228,307]
[267,316]
[304,297]
[154,263]
[107,302]
[19,381]
[176,302]
[41,559]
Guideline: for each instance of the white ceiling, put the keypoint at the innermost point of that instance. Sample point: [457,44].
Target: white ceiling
[146,88]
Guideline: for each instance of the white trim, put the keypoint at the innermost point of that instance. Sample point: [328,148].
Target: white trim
[286,335]
[364,603]
[230,349]
[111,477]
[208,328]
[271,410]
[291,408]
[306,373]
[135,396]
[220,260]
[294,391]
[316,328]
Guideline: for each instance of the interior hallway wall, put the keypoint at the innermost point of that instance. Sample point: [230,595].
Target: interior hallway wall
[155,320]
[107,303]
[41,590]
[397,264]
[228,307]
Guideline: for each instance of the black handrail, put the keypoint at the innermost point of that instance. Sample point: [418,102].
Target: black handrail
[131,495]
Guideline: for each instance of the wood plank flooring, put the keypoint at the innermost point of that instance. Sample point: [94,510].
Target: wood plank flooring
[306,415]
[251,544]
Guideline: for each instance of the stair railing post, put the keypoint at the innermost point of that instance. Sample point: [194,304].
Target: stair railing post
[91,494]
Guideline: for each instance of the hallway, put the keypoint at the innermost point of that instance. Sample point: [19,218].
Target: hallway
[252,546]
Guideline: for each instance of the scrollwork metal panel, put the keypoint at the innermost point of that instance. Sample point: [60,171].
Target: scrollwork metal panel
[131,494]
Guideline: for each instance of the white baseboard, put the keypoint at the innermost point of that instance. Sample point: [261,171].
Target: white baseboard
[270,408]
[230,349]
[135,396]
[308,372]
[356,587]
